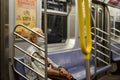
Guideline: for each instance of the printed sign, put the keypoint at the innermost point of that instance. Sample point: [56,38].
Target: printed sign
[25,14]
[114,3]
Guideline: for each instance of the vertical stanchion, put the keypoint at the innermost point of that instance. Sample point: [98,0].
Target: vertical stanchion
[87,69]
[45,29]
[85,40]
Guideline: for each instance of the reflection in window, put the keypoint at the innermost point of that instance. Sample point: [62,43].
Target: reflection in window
[57,28]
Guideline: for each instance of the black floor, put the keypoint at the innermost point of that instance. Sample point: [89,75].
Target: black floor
[110,77]
[115,68]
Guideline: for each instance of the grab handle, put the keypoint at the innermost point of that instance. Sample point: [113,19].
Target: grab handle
[86,44]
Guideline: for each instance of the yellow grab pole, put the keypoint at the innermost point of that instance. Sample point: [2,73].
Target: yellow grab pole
[86,44]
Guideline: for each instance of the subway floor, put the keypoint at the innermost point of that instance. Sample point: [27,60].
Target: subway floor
[110,77]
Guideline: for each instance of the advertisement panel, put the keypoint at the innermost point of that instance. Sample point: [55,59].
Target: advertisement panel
[25,13]
[114,3]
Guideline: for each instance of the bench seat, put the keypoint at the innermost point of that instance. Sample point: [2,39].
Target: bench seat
[79,72]
[20,68]
[115,57]
[72,60]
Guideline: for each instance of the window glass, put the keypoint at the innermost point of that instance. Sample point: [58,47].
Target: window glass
[57,28]
[57,23]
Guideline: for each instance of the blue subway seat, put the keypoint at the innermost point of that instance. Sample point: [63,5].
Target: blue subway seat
[115,57]
[72,60]
[20,68]
[102,69]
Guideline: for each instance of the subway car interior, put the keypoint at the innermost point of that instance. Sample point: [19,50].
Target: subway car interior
[81,36]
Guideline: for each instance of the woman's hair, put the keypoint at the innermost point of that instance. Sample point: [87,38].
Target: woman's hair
[32,35]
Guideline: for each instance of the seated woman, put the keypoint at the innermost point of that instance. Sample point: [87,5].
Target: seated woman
[54,71]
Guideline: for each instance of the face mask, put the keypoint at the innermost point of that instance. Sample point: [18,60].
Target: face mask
[40,41]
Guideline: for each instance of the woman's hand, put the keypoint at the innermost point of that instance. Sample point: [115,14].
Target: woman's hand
[65,73]
[62,70]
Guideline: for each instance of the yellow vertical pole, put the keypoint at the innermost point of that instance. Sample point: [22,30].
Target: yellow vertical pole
[85,40]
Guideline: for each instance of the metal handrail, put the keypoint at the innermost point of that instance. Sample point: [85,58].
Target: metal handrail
[115,35]
[86,45]
[15,46]
[29,67]
[102,53]
[95,50]
[24,26]
[45,30]
[116,29]
[101,60]
[29,42]
[102,31]
[98,23]
[101,38]
[103,46]
[28,54]
[55,12]
[20,74]
[99,42]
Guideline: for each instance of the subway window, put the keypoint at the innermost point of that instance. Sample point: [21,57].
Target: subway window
[57,28]
[56,21]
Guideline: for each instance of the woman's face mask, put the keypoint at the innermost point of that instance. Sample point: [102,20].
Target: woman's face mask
[40,41]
